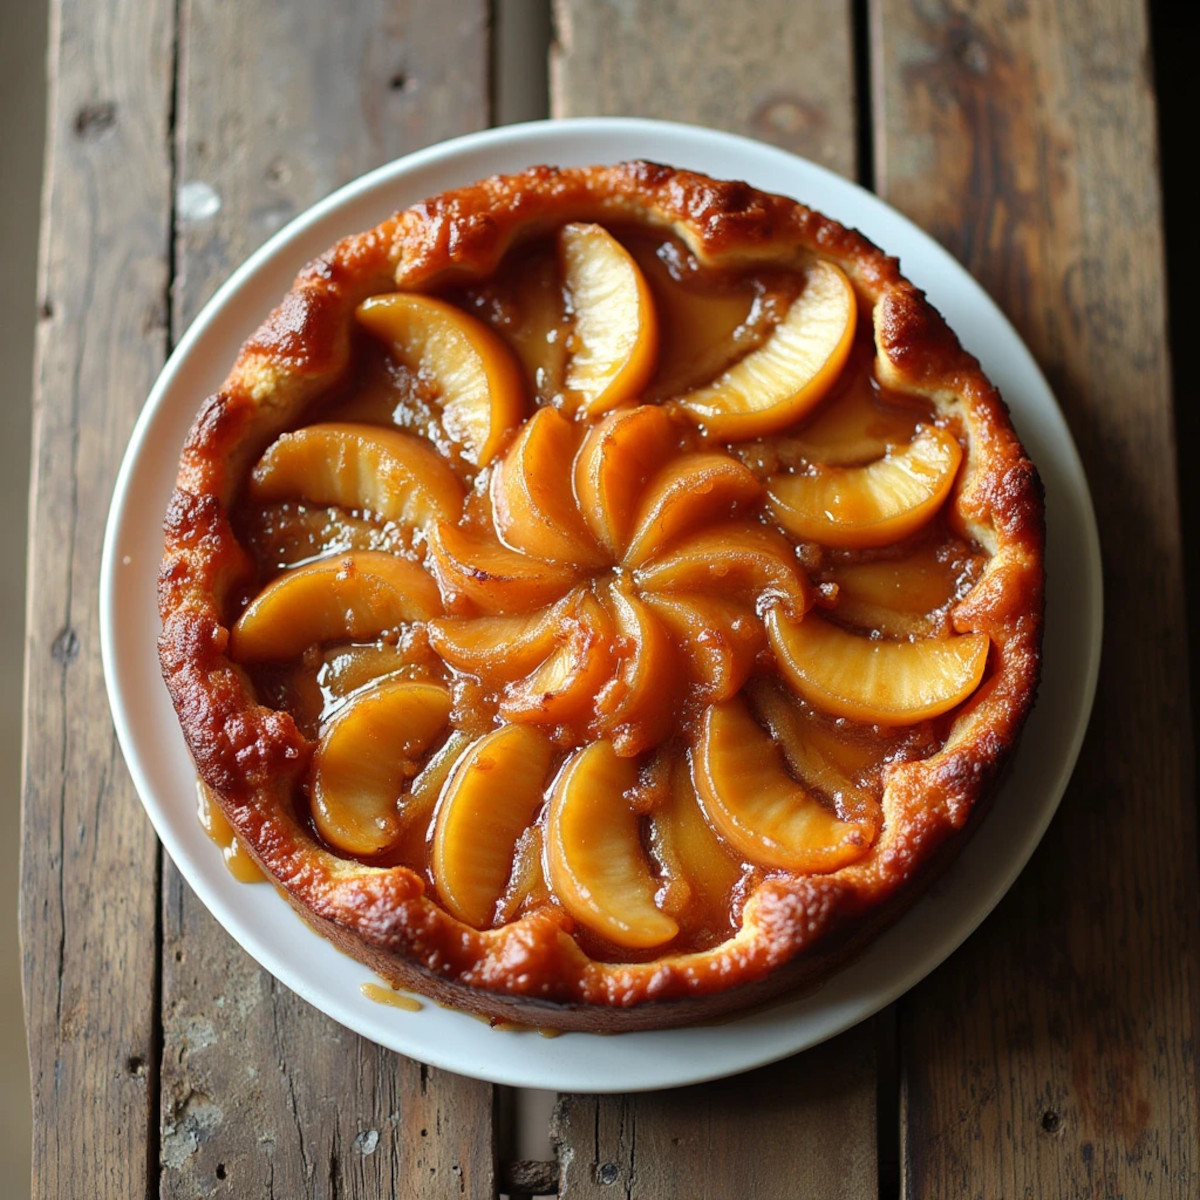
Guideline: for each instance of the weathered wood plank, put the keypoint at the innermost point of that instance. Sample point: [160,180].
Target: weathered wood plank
[802,1127]
[687,60]
[1054,1055]
[89,867]
[261,1095]
[691,60]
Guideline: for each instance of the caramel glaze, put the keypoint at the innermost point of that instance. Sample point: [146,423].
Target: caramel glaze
[392,997]
[727,314]
[233,850]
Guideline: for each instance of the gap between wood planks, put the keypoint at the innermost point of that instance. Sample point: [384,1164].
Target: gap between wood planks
[154,1118]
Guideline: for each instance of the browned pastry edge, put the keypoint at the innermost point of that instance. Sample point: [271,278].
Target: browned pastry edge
[795,930]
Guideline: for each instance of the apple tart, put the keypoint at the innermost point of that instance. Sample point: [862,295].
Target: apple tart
[602,598]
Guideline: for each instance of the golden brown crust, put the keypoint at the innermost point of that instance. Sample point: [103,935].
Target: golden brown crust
[793,930]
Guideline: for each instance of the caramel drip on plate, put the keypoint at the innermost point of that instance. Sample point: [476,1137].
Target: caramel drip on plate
[382,994]
[212,820]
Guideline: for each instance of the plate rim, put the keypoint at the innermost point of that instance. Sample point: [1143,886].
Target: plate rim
[525,139]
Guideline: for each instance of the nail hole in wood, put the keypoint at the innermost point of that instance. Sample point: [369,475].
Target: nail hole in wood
[65,647]
[399,81]
[608,1174]
[136,1066]
[969,51]
[94,120]
[1051,1121]
[220,1170]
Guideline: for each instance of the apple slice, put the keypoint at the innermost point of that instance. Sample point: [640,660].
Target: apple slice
[563,689]
[689,492]
[481,392]
[594,852]
[879,682]
[618,455]
[737,559]
[353,597]
[499,648]
[875,505]
[637,708]
[775,385]
[533,502]
[813,755]
[854,427]
[395,475]
[366,755]
[705,323]
[527,887]
[472,568]
[616,330]
[490,799]
[755,804]
[525,305]
[346,669]
[417,814]
[718,638]
[690,852]
[898,596]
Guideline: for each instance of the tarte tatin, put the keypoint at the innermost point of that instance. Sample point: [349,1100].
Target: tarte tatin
[602,598]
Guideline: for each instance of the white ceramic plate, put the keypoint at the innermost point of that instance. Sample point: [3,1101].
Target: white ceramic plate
[261,921]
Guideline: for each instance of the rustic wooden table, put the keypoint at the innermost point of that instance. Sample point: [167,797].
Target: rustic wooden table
[1055,1053]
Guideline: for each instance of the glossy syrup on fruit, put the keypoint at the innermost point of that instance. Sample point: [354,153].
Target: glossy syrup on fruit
[708,320]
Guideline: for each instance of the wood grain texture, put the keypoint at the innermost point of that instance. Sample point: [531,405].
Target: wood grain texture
[261,1094]
[89,868]
[728,67]
[802,1127]
[689,61]
[1055,1054]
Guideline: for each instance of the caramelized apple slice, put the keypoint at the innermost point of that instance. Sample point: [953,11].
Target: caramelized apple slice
[499,647]
[594,852]
[616,330]
[685,494]
[353,597]
[366,755]
[527,886]
[472,568]
[417,813]
[718,638]
[345,669]
[758,807]
[563,689]
[705,325]
[395,475]
[525,305]
[811,752]
[533,502]
[737,559]
[481,390]
[898,596]
[854,428]
[783,379]
[489,801]
[879,682]
[287,533]
[637,708]
[874,505]
[689,850]
[618,455]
